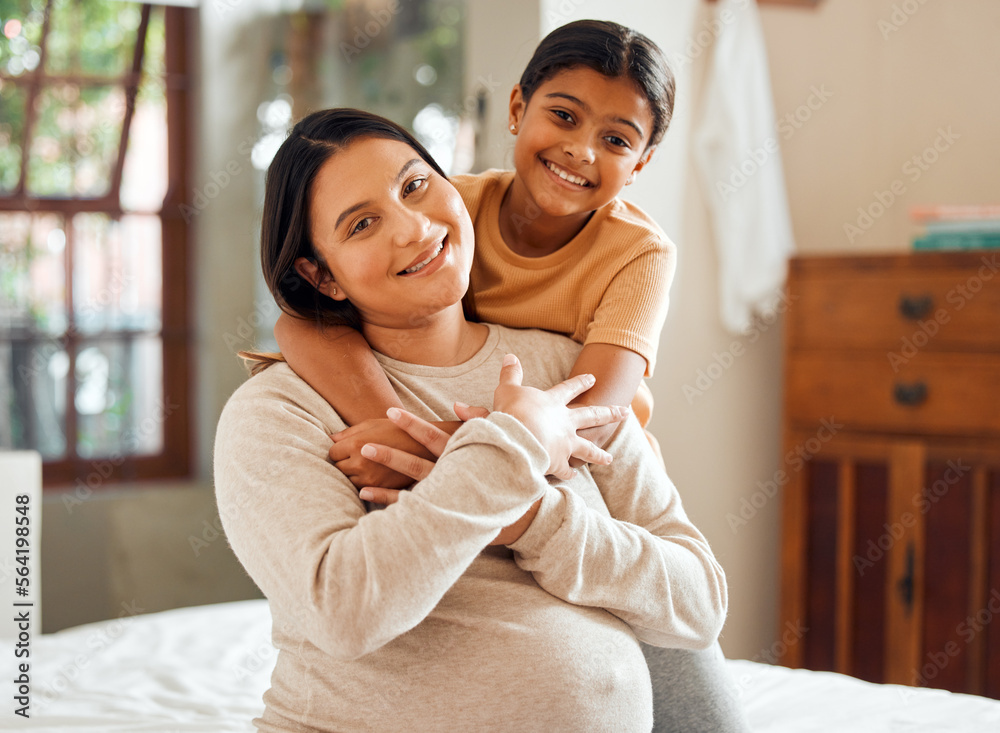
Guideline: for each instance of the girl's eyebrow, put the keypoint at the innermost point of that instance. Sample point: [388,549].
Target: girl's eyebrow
[399,177]
[583,105]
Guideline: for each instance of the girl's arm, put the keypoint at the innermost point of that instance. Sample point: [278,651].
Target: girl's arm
[618,371]
[339,364]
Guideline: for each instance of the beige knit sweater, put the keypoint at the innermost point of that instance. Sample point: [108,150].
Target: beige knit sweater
[402,618]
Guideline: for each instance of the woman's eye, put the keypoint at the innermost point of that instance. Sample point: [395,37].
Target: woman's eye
[414,185]
[362,225]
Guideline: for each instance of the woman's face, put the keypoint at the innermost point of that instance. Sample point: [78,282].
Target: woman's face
[395,235]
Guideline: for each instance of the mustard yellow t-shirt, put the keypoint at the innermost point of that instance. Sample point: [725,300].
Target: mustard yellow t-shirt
[607,285]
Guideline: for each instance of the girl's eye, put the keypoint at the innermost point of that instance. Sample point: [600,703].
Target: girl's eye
[617,141]
[415,185]
[563,115]
[361,225]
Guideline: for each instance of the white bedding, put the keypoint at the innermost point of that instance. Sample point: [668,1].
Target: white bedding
[205,669]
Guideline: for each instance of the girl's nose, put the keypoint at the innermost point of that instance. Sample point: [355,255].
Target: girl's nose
[579,149]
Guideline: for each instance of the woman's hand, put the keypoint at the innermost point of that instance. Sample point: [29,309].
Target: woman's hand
[417,468]
[549,419]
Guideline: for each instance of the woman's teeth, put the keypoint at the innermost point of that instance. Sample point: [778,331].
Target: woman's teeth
[421,265]
[565,175]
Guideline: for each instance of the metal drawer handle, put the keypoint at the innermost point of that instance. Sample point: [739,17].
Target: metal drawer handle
[915,307]
[910,395]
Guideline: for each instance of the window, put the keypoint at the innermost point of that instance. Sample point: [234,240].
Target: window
[94,326]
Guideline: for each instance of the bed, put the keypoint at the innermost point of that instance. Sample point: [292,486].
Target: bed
[205,669]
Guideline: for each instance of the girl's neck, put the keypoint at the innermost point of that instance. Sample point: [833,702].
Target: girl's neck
[528,230]
[443,339]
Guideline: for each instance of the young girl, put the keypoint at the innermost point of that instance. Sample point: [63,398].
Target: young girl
[555,248]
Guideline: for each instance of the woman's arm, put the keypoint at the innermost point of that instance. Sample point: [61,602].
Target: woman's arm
[646,563]
[355,579]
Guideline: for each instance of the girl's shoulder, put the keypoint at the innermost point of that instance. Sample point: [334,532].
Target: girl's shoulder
[477,188]
[628,223]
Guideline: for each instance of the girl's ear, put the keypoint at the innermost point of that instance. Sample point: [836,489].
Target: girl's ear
[643,159]
[322,281]
[515,109]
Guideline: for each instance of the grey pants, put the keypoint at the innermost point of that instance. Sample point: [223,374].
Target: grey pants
[693,692]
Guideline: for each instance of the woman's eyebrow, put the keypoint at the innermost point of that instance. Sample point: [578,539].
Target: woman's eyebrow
[351,209]
[583,105]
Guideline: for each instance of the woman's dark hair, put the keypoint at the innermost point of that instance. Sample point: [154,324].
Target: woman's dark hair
[285,231]
[612,50]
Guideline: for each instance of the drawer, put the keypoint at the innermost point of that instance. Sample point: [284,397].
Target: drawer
[894,309]
[932,394]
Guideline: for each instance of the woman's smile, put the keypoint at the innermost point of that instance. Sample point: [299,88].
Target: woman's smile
[427,262]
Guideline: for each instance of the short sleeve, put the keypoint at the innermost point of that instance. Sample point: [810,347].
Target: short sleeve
[634,305]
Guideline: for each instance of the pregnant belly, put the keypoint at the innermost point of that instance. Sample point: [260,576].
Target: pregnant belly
[497,654]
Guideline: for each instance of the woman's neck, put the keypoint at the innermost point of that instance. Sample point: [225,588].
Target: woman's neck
[443,339]
[528,230]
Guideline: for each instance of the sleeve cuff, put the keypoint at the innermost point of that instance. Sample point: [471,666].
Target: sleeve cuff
[532,542]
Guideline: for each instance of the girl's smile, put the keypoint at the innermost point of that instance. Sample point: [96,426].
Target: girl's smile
[581,138]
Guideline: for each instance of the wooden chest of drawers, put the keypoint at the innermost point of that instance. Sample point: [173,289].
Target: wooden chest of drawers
[891,506]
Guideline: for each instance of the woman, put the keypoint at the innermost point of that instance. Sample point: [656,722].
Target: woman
[487,597]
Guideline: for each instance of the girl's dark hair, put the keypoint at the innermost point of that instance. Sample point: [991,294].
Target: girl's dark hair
[285,232]
[612,50]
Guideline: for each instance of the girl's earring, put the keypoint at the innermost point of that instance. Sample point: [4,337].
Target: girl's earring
[631,178]
[513,129]
[335,291]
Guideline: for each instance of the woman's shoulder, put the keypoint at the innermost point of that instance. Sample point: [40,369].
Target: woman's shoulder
[276,396]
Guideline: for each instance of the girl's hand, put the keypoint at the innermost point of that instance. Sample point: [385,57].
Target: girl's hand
[548,418]
[416,467]
[347,454]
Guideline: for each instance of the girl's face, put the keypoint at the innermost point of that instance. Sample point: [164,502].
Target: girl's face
[395,235]
[579,139]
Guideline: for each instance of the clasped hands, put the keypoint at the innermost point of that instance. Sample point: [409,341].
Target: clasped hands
[380,471]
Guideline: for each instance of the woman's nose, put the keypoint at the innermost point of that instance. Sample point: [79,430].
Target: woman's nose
[413,226]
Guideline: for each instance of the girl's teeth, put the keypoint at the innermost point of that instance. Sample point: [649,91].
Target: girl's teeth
[421,265]
[566,176]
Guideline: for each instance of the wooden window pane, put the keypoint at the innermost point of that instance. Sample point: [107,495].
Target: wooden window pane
[75,140]
[91,36]
[118,387]
[117,273]
[12,101]
[33,383]
[32,273]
